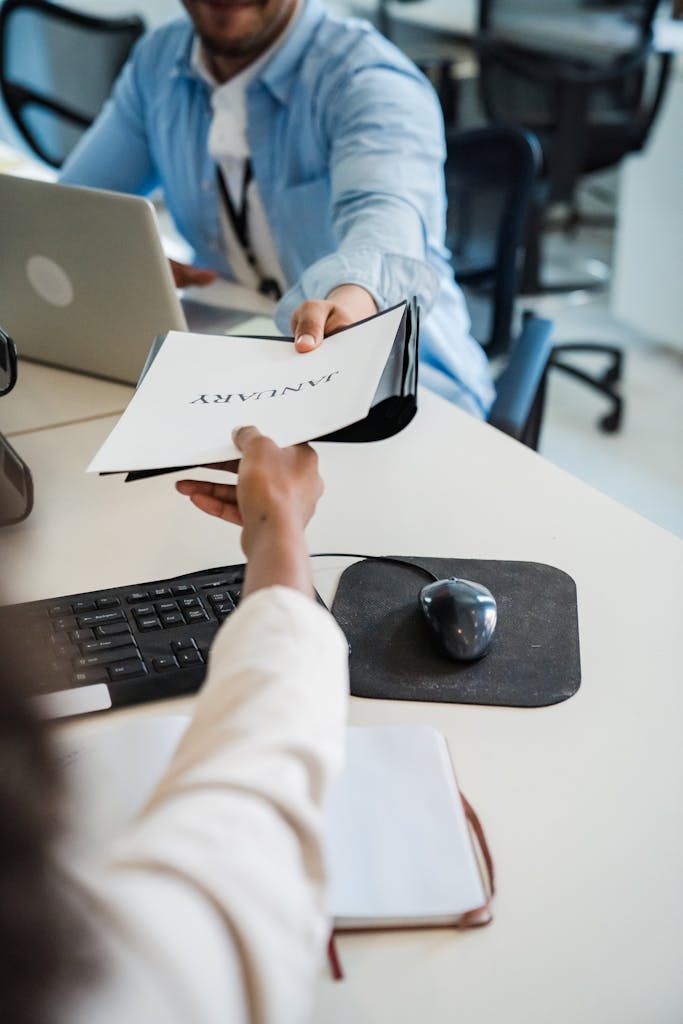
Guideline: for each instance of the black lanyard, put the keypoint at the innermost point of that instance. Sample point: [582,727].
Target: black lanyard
[240,225]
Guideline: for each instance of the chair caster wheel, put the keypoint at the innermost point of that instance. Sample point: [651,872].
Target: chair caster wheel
[611,423]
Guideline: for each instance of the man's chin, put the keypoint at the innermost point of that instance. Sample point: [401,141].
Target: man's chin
[227,48]
[226,28]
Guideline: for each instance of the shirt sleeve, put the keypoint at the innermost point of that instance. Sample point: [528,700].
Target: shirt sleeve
[114,153]
[386,163]
[214,902]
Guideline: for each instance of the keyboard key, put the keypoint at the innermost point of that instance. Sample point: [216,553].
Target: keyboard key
[187,658]
[59,609]
[172,619]
[109,643]
[235,594]
[108,602]
[160,592]
[86,676]
[184,645]
[149,623]
[81,635]
[190,602]
[126,669]
[136,596]
[220,597]
[224,609]
[99,618]
[181,589]
[112,628]
[83,606]
[66,622]
[164,607]
[143,611]
[165,662]
[195,615]
[105,657]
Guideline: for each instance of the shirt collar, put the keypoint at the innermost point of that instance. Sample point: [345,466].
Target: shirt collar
[279,74]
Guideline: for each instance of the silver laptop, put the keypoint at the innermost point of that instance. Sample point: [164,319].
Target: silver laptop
[84,282]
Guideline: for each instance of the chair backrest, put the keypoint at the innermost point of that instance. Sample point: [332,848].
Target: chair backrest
[544,63]
[490,174]
[582,76]
[57,68]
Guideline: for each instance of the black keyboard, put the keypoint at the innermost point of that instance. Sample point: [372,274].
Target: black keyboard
[109,648]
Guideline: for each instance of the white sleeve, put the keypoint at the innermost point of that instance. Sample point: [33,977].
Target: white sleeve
[212,906]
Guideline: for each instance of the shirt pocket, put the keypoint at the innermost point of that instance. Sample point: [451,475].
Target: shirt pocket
[304,215]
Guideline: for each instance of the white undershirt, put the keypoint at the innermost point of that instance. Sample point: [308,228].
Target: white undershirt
[229,147]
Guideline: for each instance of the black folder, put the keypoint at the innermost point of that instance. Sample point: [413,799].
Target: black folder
[395,401]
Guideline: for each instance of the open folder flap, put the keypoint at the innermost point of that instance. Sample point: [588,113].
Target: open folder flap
[390,408]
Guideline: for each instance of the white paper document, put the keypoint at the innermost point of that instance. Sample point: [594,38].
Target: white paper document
[200,387]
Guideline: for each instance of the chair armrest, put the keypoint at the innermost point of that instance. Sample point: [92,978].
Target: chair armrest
[519,384]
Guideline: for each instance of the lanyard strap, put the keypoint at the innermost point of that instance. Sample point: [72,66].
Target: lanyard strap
[238,218]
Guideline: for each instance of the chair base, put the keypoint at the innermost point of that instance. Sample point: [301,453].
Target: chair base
[606,383]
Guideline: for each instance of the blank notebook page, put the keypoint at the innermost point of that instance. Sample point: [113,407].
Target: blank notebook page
[398,844]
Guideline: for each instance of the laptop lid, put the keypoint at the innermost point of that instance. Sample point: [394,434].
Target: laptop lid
[84,282]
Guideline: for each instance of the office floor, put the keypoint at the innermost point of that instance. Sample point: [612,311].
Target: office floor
[642,465]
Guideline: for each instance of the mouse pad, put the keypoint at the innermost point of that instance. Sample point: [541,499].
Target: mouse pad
[534,657]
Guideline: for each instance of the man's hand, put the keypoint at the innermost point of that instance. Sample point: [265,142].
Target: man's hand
[315,319]
[275,496]
[185,276]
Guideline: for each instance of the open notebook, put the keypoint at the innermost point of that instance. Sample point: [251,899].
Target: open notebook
[398,842]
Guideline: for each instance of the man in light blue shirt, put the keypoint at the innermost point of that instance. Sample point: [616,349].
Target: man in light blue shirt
[339,196]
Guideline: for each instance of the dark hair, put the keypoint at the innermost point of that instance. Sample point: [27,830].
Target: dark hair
[41,936]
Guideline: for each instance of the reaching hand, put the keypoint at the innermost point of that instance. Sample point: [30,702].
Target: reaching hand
[276,493]
[315,319]
[184,275]
[276,487]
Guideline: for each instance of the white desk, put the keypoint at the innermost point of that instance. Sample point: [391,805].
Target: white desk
[582,802]
[452,17]
[593,32]
[589,34]
[44,397]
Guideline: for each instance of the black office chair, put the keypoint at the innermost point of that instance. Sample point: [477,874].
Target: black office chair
[577,74]
[490,174]
[57,68]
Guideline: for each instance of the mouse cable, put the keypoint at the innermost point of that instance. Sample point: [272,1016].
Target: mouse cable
[377,558]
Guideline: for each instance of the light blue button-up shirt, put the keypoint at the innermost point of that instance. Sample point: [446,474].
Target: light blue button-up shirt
[347,149]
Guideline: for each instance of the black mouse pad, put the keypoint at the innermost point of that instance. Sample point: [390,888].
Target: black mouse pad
[534,657]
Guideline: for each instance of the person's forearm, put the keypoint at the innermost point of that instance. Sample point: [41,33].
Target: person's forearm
[235,826]
[276,555]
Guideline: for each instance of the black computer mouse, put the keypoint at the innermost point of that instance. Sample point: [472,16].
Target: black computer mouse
[462,615]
